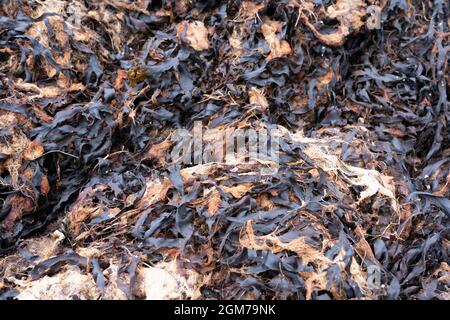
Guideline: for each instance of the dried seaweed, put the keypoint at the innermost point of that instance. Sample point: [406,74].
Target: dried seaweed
[93,96]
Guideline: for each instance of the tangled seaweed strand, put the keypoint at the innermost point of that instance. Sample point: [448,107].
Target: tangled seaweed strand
[91,94]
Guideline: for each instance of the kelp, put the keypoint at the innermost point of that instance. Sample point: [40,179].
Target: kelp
[92,95]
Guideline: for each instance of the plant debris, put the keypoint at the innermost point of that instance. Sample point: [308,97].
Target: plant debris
[99,98]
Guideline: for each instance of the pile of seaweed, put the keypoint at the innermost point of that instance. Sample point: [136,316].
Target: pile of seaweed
[92,205]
